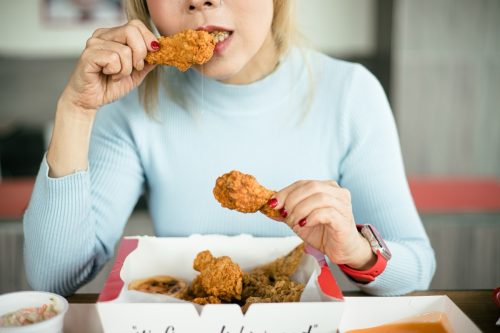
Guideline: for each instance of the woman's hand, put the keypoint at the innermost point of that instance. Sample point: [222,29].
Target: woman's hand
[111,65]
[320,213]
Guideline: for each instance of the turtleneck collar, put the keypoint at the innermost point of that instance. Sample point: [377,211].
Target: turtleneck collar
[215,96]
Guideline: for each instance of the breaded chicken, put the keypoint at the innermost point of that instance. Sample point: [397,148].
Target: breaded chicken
[284,266]
[271,282]
[183,49]
[238,191]
[219,277]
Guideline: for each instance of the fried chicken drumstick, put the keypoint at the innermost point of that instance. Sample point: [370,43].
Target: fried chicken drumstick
[220,279]
[183,49]
[238,191]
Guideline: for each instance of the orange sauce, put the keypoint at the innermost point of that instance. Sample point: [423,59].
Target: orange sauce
[434,322]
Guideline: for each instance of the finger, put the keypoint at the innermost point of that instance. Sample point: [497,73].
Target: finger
[130,36]
[121,34]
[105,61]
[302,189]
[315,201]
[283,194]
[137,36]
[123,51]
[138,76]
[149,37]
[322,216]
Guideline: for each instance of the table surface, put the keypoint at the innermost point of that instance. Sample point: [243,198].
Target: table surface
[478,305]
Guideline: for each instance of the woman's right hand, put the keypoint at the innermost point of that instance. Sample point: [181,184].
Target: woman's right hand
[111,65]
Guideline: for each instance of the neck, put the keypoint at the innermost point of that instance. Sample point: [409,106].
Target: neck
[262,64]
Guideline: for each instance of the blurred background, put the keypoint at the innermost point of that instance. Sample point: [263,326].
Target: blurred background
[438,61]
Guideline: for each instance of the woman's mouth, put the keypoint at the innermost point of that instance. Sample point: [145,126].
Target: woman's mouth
[222,39]
[220,36]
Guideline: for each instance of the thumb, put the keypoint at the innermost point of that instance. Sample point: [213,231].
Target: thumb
[138,76]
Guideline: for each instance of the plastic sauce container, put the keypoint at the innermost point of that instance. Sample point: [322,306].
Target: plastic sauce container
[16,301]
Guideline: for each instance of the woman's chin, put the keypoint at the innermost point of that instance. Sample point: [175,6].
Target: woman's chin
[217,71]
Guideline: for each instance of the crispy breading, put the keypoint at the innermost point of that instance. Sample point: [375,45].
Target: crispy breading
[219,277]
[196,289]
[221,280]
[284,266]
[271,282]
[280,290]
[206,300]
[183,49]
[238,191]
[270,212]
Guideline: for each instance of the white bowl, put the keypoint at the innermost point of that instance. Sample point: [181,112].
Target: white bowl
[23,299]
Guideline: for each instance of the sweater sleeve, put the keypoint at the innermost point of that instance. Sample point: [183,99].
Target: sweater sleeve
[72,223]
[372,170]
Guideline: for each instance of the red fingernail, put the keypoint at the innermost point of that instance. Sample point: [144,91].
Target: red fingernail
[303,222]
[273,202]
[283,212]
[155,45]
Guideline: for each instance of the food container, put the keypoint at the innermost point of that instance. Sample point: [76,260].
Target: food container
[121,310]
[25,299]
[322,307]
[364,312]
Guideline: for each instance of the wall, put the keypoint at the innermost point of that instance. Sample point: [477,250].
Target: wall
[350,27]
[446,85]
[25,34]
[339,27]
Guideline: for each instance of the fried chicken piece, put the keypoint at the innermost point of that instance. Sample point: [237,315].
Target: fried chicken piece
[271,282]
[254,283]
[206,300]
[196,289]
[270,212]
[183,49]
[252,300]
[219,277]
[238,191]
[281,290]
[284,266]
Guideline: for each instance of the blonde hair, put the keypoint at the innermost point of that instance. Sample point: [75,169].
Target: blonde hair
[282,28]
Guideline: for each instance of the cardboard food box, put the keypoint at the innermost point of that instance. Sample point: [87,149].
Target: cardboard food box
[121,310]
[322,307]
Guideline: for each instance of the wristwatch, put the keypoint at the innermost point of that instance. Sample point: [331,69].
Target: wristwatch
[380,249]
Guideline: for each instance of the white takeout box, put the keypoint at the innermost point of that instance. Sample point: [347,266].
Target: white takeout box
[122,311]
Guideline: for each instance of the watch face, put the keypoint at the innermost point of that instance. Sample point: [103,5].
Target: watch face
[376,241]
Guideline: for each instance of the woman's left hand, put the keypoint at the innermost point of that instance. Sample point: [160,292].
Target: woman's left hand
[320,212]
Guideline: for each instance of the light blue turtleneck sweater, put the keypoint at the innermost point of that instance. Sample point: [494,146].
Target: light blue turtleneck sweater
[313,118]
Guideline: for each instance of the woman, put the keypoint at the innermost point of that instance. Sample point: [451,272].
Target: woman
[318,128]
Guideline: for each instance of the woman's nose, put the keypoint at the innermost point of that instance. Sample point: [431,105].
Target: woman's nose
[203,4]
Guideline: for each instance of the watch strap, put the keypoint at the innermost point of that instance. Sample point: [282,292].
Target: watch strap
[369,274]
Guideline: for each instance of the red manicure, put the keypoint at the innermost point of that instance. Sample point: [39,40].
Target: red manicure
[273,202]
[303,222]
[155,45]
[283,212]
